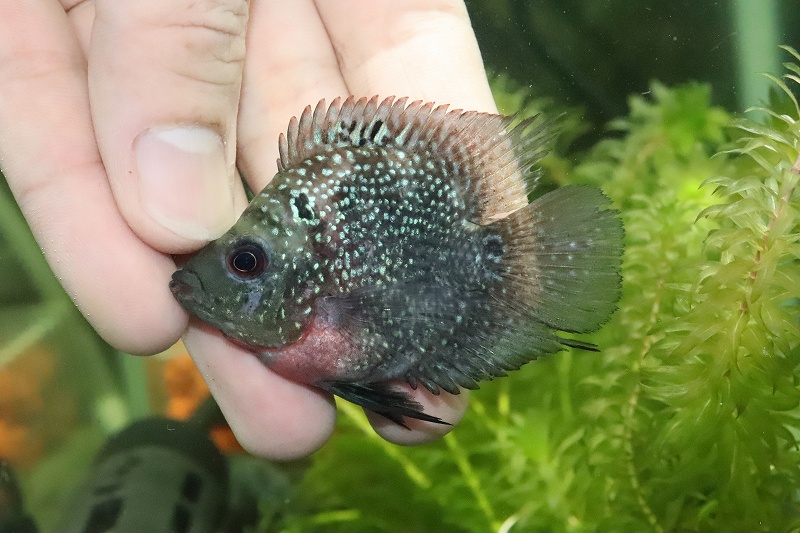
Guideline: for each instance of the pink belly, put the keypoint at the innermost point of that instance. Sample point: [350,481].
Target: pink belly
[322,354]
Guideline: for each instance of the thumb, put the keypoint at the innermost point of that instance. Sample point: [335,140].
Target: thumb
[164,81]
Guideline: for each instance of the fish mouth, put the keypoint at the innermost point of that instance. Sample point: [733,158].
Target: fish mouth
[188,290]
[185,286]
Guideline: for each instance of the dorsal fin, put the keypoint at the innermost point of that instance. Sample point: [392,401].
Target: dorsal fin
[494,162]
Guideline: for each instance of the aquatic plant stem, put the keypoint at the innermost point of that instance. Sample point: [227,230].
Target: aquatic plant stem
[783,199]
[53,313]
[135,383]
[564,366]
[472,479]
[335,517]
[633,401]
[54,307]
[356,415]
[25,248]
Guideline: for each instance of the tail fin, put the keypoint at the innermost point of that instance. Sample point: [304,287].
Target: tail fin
[563,254]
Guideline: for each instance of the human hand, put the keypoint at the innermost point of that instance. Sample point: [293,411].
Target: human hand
[122,125]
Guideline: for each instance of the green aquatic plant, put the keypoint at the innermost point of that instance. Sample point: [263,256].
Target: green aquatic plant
[688,419]
[720,395]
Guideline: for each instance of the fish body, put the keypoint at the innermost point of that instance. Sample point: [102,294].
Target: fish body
[395,243]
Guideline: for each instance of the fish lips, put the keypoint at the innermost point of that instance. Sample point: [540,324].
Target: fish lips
[188,290]
[185,285]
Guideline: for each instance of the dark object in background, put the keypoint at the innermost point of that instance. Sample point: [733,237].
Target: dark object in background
[13,518]
[156,475]
[592,55]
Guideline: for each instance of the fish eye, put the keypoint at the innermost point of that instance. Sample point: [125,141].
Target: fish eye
[247,260]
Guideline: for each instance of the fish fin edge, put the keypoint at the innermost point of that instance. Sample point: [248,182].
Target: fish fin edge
[563,258]
[493,160]
[383,399]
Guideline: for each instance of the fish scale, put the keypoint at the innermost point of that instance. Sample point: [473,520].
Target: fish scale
[395,243]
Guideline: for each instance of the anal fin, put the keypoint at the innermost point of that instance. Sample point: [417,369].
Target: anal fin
[579,345]
[384,400]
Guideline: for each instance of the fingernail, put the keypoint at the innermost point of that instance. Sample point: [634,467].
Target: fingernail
[185,182]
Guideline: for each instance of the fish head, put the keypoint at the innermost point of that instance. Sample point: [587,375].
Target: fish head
[238,282]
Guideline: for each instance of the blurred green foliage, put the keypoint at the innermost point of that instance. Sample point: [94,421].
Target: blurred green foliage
[688,419]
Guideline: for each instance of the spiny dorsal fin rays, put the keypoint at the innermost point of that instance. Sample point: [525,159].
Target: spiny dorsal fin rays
[492,161]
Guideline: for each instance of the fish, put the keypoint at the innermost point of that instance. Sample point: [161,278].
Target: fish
[396,244]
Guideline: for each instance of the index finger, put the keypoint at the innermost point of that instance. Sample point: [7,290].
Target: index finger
[51,162]
[423,49]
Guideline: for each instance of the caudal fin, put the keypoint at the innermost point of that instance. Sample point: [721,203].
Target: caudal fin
[563,254]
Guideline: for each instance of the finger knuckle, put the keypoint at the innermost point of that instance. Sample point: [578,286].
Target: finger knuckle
[217,27]
[202,40]
[214,30]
